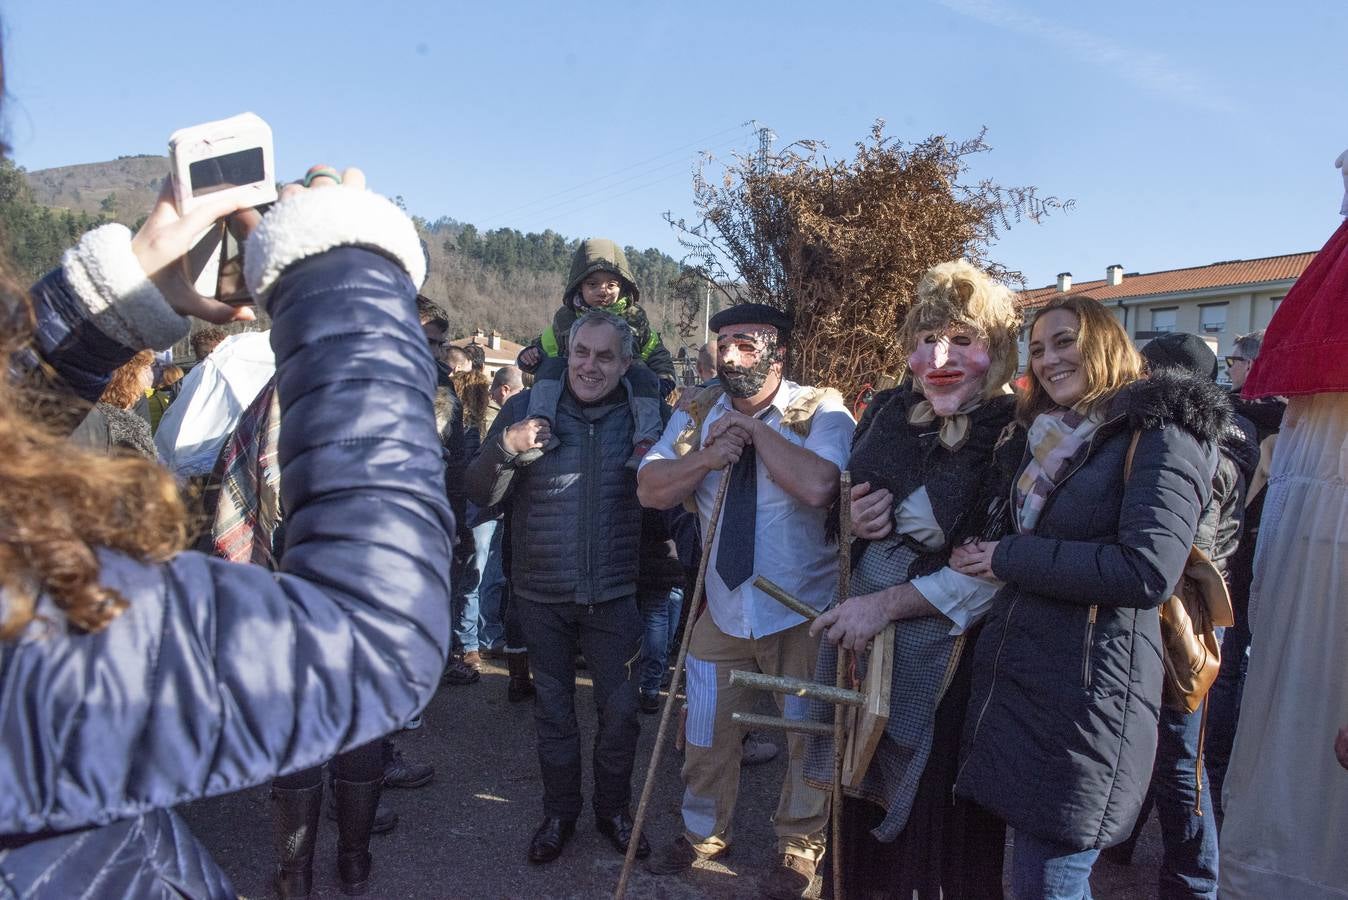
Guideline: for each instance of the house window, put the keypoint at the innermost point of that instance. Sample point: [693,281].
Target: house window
[1212,318]
[1164,319]
[1275,302]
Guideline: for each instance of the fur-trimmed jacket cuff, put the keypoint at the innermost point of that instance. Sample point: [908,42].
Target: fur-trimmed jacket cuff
[118,296]
[312,222]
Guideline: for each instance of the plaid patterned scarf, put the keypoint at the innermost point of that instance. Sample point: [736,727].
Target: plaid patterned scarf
[249,508]
[1054,439]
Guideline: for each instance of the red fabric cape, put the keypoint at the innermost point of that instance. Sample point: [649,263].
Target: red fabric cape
[1305,348]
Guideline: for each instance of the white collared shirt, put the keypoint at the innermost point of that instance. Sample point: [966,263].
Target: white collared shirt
[789,545]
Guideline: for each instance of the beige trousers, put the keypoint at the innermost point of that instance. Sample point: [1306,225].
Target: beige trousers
[711,768]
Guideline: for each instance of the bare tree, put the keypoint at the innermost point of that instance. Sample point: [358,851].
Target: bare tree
[842,245]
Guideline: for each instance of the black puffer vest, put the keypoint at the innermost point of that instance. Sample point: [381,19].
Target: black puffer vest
[576,523]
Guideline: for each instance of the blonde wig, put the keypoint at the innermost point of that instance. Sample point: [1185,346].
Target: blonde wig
[957,293]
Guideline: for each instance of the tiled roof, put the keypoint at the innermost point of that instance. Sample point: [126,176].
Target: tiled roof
[1222,274]
[507,352]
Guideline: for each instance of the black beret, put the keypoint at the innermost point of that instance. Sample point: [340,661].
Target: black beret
[1182,350]
[753,314]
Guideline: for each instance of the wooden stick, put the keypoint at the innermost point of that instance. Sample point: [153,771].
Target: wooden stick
[778,593]
[699,588]
[799,687]
[840,675]
[803,726]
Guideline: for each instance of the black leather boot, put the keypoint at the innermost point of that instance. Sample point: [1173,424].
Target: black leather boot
[295,824]
[521,685]
[357,803]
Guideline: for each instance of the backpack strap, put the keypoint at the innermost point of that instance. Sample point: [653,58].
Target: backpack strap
[1132,451]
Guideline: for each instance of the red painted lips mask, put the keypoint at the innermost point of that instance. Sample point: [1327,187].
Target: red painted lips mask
[950,366]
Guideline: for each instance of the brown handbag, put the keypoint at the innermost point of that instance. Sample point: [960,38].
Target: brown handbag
[1190,651]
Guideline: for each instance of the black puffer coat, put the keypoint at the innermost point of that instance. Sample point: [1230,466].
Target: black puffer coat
[575,523]
[1062,724]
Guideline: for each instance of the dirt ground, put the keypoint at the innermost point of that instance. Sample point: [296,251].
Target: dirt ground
[465,835]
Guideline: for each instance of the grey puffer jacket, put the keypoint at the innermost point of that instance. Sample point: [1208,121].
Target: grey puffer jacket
[575,523]
[1061,731]
[220,676]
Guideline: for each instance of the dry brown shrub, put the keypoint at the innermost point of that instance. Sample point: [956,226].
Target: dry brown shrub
[841,245]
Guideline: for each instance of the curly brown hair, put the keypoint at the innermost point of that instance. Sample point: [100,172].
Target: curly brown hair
[58,502]
[474,392]
[205,340]
[124,388]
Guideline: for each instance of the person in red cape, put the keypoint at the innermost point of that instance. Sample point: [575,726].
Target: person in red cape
[1286,798]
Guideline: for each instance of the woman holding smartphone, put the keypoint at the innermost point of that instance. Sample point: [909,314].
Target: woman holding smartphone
[1062,722]
[135,677]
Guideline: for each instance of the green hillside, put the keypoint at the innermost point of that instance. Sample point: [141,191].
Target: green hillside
[501,279]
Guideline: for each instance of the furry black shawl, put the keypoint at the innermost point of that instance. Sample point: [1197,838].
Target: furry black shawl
[965,484]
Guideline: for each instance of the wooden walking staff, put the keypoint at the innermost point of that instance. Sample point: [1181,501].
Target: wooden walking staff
[840,676]
[699,588]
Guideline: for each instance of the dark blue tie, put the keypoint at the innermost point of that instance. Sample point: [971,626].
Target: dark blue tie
[735,554]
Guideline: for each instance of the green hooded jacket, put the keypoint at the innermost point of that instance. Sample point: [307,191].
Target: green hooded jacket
[595,255]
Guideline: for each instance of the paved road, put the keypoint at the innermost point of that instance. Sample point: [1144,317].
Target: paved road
[465,834]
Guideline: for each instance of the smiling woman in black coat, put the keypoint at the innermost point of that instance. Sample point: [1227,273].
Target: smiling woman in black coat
[1062,723]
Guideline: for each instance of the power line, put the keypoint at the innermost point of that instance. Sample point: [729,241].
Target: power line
[603,200]
[637,165]
[565,203]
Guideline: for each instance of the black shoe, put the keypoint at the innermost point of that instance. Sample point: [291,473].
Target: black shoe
[399,773]
[650,704]
[549,839]
[460,674]
[521,684]
[618,829]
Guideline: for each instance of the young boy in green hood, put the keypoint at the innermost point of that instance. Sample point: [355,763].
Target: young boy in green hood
[601,279]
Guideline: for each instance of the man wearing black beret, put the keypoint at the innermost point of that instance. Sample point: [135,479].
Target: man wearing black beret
[782,445]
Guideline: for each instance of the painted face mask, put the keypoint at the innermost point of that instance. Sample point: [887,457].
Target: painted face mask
[746,356]
[950,366]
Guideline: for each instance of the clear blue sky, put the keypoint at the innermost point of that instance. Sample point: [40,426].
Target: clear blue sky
[1186,132]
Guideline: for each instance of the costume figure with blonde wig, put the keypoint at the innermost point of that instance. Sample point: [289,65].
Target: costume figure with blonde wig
[931,466]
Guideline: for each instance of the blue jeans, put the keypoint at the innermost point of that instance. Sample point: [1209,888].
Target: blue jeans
[1224,707]
[662,621]
[491,630]
[1189,840]
[1042,870]
[467,601]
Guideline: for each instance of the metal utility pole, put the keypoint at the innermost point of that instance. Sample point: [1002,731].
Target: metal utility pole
[765,138]
[706,317]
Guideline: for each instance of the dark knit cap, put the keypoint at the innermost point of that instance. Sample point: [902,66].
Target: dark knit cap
[1183,350]
[754,314]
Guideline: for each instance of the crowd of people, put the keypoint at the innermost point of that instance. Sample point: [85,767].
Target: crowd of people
[383,515]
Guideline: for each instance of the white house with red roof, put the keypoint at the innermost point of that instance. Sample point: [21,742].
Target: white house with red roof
[1219,302]
[496,350]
